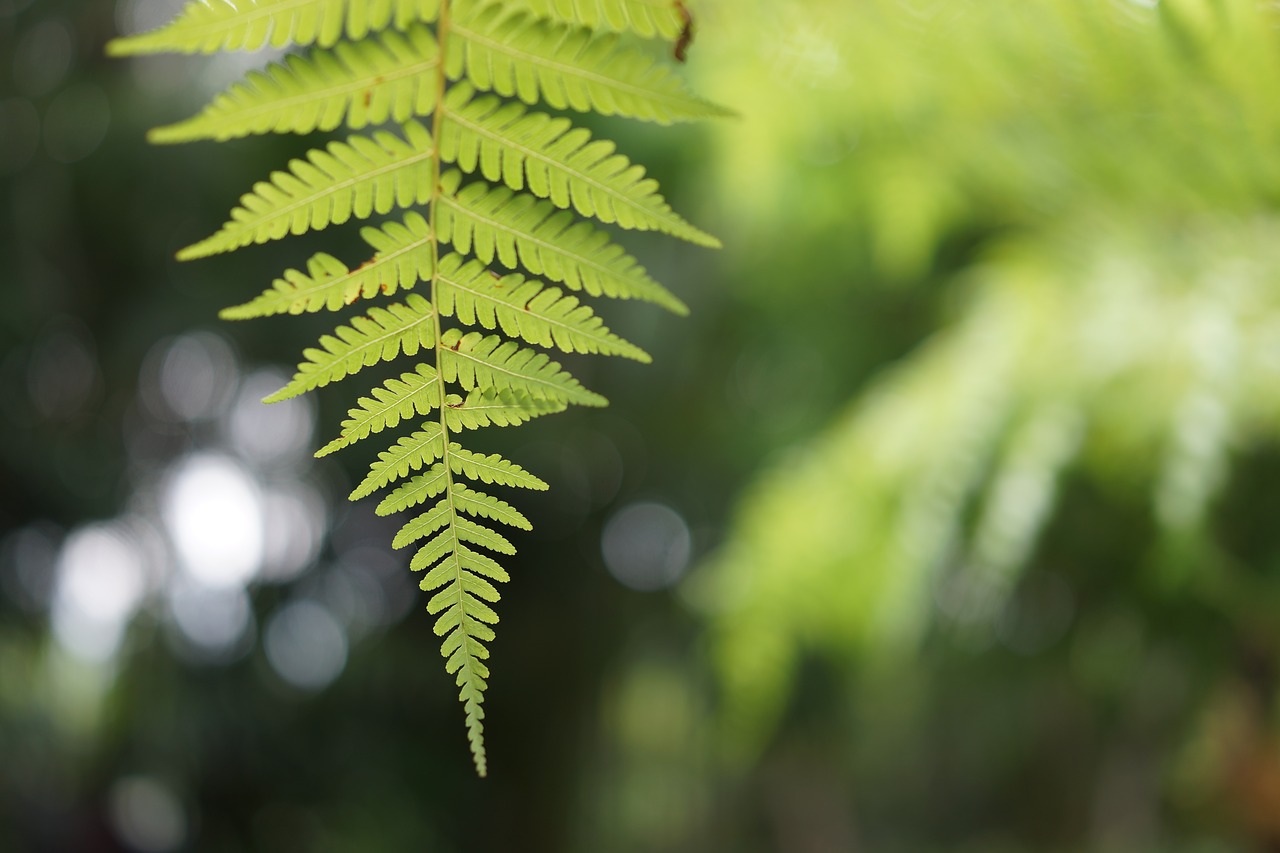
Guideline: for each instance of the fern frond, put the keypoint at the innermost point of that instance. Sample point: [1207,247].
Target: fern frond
[359,177]
[208,26]
[405,257]
[373,61]
[646,18]
[356,83]
[525,309]
[477,361]
[476,503]
[378,336]
[393,401]
[520,230]
[410,453]
[520,55]
[556,161]
[492,469]
[417,489]
[498,408]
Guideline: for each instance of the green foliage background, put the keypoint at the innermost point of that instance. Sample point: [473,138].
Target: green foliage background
[973,423]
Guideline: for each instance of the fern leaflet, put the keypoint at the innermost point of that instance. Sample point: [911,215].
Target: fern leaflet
[355,84]
[498,408]
[209,27]
[492,469]
[404,257]
[357,178]
[387,405]
[555,161]
[519,230]
[647,18]
[526,309]
[410,453]
[379,336]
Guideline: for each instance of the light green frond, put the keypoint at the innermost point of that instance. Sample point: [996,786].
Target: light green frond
[208,27]
[524,308]
[390,403]
[416,490]
[647,18]
[557,161]
[519,230]
[356,83]
[498,408]
[478,534]
[424,525]
[404,258]
[519,55]
[435,549]
[472,502]
[381,335]
[477,361]
[476,562]
[375,61]
[359,177]
[492,469]
[410,453]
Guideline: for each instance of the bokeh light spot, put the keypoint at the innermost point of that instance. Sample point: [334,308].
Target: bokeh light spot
[100,581]
[212,621]
[269,433]
[146,815]
[191,378]
[213,512]
[305,645]
[646,546]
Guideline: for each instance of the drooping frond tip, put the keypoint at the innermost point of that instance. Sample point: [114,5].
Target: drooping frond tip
[491,261]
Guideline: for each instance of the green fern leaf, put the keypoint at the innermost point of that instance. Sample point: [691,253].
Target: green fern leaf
[519,55]
[417,489]
[555,161]
[411,453]
[425,525]
[478,534]
[477,361]
[359,177]
[524,309]
[208,27]
[379,336]
[387,405]
[544,173]
[406,255]
[436,548]
[520,230]
[647,18]
[457,530]
[491,469]
[472,502]
[498,408]
[356,83]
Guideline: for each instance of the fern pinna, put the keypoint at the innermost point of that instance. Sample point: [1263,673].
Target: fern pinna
[496,194]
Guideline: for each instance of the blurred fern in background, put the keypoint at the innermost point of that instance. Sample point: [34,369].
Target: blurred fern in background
[1091,189]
